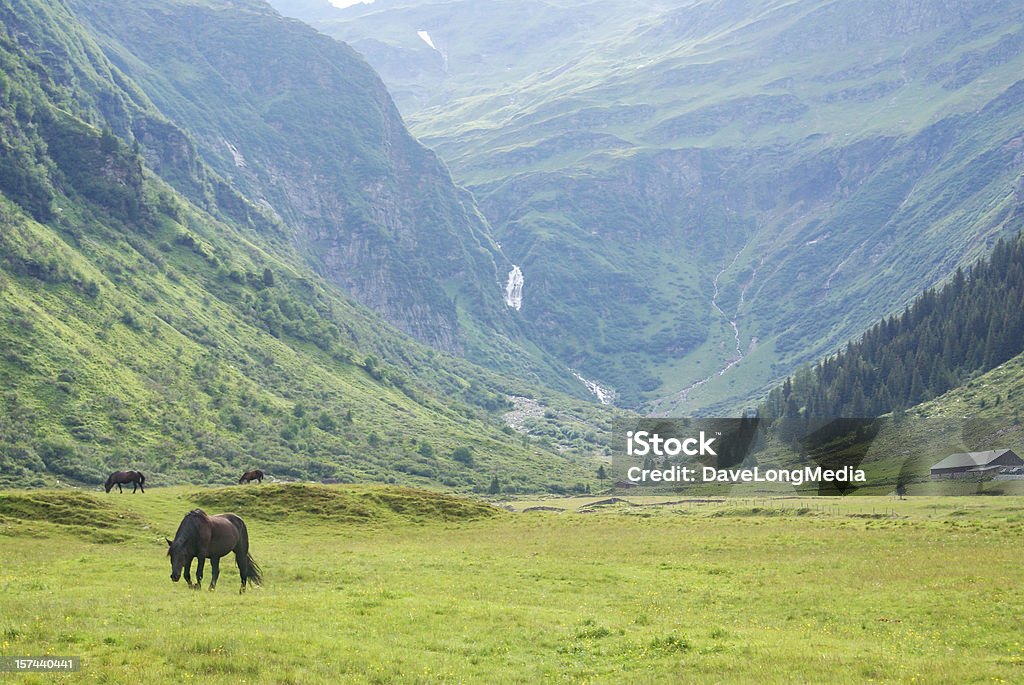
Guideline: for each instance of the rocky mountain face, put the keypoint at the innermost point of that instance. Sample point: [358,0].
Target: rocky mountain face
[704,195]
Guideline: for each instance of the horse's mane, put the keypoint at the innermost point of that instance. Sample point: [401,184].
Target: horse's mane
[188,531]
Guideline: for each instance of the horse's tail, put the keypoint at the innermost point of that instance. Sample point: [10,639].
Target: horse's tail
[253,572]
[142,478]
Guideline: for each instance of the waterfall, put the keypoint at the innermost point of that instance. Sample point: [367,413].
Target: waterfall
[514,288]
[604,395]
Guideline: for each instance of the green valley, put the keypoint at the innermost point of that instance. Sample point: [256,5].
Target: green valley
[692,188]
[482,341]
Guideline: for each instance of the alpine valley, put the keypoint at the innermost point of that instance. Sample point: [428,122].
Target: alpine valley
[221,247]
[703,195]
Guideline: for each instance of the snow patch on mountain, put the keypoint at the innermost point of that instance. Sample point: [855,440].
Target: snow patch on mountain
[427,39]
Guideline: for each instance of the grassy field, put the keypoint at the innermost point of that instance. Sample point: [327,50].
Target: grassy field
[381,585]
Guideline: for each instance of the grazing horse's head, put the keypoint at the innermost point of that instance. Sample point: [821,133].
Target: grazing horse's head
[183,549]
[177,555]
[109,484]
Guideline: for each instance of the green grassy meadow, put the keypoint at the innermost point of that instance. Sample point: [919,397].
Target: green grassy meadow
[371,584]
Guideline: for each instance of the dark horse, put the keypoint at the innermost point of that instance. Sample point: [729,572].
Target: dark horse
[134,477]
[250,476]
[211,537]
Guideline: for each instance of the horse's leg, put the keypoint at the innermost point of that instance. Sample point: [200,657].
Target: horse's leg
[135,486]
[119,488]
[142,488]
[214,571]
[188,571]
[199,571]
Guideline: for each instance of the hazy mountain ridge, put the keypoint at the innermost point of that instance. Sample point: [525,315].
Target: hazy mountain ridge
[816,163]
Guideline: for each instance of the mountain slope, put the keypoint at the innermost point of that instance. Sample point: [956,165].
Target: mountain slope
[945,338]
[943,377]
[704,195]
[141,329]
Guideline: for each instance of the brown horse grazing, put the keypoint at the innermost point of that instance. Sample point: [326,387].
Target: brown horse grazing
[205,537]
[118,477]
[250,476]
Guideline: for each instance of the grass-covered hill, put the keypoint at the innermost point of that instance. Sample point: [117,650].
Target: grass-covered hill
[700,187]
[981,413]
[106,519]
[153,316]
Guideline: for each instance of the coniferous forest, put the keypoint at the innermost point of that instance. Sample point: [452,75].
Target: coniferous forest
[948,335]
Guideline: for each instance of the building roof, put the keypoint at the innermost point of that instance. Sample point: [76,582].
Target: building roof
[967,460]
